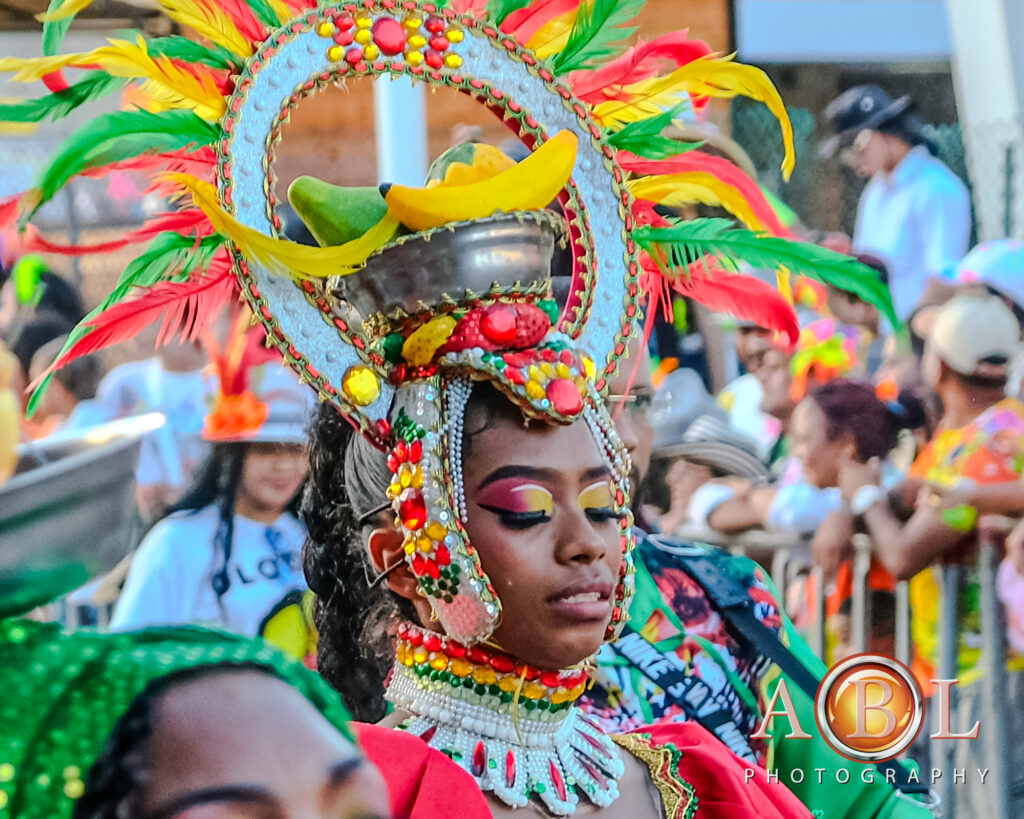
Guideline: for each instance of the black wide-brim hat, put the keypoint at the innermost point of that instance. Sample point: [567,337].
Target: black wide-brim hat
[861,108]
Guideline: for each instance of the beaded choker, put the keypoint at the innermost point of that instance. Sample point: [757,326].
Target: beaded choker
[509,725]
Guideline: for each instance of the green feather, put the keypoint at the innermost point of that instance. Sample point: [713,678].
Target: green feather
[686,242]
[264,13]
[498,10]
[644,138]
[597,34]
[54,31]
[118,136]
[61,103]
[176,47]
[169,257]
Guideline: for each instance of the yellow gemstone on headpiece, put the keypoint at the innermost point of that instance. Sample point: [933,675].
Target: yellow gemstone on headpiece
[588,365]
[460,667]
[420,655]
[508,684]
[424,544]
[325,29]
[419,348]
[535,390]
[439,662]
[533,691]
[364,22]
[436,530]
[361,385]
[413,22]
[414,58]
[452,60]
[454,35]
[371,52]
[484,675]
[364,36]
[336,54]
[417,41]
[409,545]
[563,370]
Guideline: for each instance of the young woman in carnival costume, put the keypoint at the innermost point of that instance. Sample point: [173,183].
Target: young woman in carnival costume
[418,294]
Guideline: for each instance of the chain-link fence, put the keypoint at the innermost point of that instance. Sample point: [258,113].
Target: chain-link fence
[824,192]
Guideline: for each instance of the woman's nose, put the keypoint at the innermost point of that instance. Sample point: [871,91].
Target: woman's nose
[579,541]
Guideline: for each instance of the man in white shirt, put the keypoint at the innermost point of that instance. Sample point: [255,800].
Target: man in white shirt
[915,213]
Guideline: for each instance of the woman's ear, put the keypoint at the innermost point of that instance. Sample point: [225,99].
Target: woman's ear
[387,554]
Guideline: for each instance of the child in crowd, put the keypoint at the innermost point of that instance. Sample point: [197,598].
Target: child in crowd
[69,401]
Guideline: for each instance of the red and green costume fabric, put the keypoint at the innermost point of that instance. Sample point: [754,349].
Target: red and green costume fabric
[675,614]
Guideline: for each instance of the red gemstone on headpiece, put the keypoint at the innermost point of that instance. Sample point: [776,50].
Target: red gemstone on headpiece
[434,25]
[415,451]
[389,35]
[476,655]
[502,664]
[557,781]
[353,56]
[593,770]
[439,43]
[514,375]
[499,323]
[552,679]
[510,770]
[419,564]
[442,556]
[412,509]
[479,759]
[432,642]
[434,59]
[565,396]
[428,735]
[401,451]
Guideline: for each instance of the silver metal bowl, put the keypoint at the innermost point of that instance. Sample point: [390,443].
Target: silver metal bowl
[72,499]
[453,263]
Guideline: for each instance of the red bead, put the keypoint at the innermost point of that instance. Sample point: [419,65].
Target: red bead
[567,358]
[434,59]
[412,509]
[415,451]
[527,672]
[415,637]
[401,451]
[593,770]
[556,779]
[510,769]
[439,43]
[433,569]
[476,655]
[514,375]
[549,355]
[499,323]
[343,37]
[442,556]
[392,462]
[353,56]
[344,21]
[520,359]
[552,679]
[428,735]
[432,642]
[502,664]
[565,396]
[455,649]
[434,25]
[419,564]
[479,759]
[389,35]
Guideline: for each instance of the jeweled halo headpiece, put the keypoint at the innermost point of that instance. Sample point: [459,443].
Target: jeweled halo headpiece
[393,342]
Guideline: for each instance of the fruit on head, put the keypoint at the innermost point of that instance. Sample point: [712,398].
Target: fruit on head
[466,163]
[333,214]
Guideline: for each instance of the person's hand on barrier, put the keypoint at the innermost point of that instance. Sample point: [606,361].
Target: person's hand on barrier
[833,542]
[854,475]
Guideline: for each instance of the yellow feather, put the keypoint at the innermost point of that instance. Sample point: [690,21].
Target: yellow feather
[284,14]
[710,76]
[279,255]
[69,8]
[553,35]
[784,281]
[167,84]
[208,21]
[675,190]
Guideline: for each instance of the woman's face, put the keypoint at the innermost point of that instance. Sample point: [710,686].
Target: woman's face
[539,503]
[819,457]
[271,476]
[245,744]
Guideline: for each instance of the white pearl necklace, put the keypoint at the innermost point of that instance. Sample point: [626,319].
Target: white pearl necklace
[514,753]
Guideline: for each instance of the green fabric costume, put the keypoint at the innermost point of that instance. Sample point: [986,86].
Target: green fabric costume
[64,692]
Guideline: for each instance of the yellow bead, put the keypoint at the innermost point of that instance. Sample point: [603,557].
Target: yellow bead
[421,345]
[577,692]
[425,544]
[460,667]
[589,367]
[364,36]
[484,675]
[74,788]
[436,530]
[535,390]
[420,655]
[563,371]
[535,373]
[532,691]
[548,369]
[417,41]
[360,383]
[371,52]
[325,29]
[405,477]
[336,54]
[439,662]
[559,695]
[508,684]
[452,60]
[394,490]
[454,35]
[417,478]
[364,22]
[414,58]
[413,22]
[409,545]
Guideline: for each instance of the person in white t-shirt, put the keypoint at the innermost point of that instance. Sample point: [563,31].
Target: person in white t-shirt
[229,551]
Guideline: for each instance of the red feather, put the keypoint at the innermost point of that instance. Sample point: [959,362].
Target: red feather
[641,62]
[737,294]
[9,210]
[244,19]
[201,162]
[722,168]
[184,309]
[525,22]
[55,81]
[182,221]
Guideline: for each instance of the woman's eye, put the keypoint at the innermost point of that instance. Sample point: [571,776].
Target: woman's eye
[603,514]
[517,520]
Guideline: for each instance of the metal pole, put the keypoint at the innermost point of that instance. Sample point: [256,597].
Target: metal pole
[949,651]
[818,629]
[903,622]
[401,131]
[859,607]
[994,699]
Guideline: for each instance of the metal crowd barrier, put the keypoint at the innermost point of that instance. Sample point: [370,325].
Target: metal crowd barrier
[786,559]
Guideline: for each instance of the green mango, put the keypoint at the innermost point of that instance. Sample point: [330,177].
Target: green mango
[333,214]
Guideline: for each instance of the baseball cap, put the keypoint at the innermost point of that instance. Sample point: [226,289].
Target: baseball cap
[974,335]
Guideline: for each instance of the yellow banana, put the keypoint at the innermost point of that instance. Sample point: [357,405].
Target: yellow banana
[528,185]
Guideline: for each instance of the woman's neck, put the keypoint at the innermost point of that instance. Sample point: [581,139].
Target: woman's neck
[257,512]
[514,728]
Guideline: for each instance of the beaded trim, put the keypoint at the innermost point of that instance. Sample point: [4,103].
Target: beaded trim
[520,738]
[678,797]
